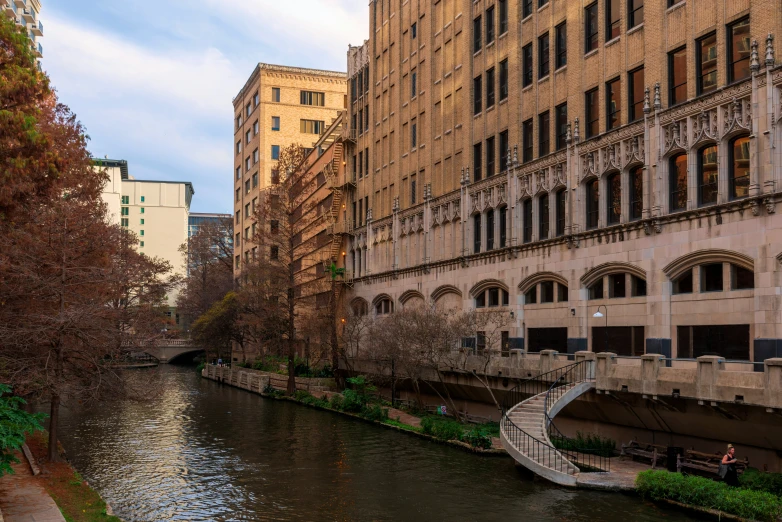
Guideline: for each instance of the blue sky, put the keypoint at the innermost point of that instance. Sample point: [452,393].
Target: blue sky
[153,81]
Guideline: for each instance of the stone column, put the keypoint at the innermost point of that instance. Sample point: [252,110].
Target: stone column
[650,369]
[706,377]
[547,359]
[590,359]
[772,383]
[516,356]
[605,370]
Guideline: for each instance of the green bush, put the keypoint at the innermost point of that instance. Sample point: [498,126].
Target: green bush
[15,424]
[758,480]
[594,444]
[336,402]
[704,492]
[200,367]
[301,395]
[355,399]
[478,437]
[444,429]
[375,413]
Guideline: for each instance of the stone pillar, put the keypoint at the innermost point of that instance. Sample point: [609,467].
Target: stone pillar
[515,358]
[589,358]
[547,359]
[604,370]
[706,376]
[650,369]
[772,383]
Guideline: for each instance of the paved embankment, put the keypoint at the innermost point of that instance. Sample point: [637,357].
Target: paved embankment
[24,499]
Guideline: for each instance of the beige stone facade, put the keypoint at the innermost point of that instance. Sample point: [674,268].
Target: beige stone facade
[26,14]
[277,107]
[534,168]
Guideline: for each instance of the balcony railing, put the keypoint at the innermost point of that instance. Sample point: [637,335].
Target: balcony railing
[20,3]
[37,29]
[28,16]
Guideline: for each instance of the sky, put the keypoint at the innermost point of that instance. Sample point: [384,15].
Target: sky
[153,81]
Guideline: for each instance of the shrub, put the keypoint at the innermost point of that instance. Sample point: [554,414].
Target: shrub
[352,401]
[200,367]
[356,398]
[594,444]
[444,429]
[375,413]
[269,389]
[704,492]
[758,480]
[302,395]
[478,437]
[335,402]
[15,424]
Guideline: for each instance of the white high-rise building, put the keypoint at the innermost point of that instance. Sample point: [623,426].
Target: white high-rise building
[26,13]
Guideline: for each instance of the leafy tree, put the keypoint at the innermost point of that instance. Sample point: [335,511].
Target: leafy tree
[15,425]
[216,329]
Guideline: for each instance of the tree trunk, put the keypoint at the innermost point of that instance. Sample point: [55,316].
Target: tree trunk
[54,421]
[291,318]
[338,377]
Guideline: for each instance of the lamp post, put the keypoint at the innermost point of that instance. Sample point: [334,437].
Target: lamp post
[598,315]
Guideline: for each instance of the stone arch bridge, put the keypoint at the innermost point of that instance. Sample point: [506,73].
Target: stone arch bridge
[168,350]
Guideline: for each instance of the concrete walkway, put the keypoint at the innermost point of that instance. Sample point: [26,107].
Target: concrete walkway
[23,498]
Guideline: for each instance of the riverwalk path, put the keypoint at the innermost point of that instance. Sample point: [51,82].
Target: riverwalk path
[24,499]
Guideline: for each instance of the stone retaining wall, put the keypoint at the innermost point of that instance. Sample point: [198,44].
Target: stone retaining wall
[257,381]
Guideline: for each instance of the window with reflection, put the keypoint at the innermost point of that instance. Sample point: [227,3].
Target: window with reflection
[592,203]
[490,230]
[592,113]
[739,167]
[613,19]
[543,210]
[635,91]
[707,175]
[678,182]
[739,50]
[613,104]
[635,13]
[527,215]
[677,76]
[706,61]
[614,198]
[636,192]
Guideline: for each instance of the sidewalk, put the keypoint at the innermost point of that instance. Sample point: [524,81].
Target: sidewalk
[23,498]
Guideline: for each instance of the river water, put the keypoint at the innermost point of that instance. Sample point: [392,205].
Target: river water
[208,452]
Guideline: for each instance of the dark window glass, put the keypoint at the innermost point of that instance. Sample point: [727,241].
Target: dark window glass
[635,13]
[635,92]
[490,88]
[477,94]
[531,297]
[707,175]
[616,285]
[504,298]
[494,297]
[480,300]
[561,45]
[677,76]
[683,284]
[490,25]
[490,164]
[543,56]
[741,278]
[592,114]
[547,292]
[477,233]
[413,86]
[412,192]
[678,182]
[739,167]
[547,339]
[541,3]
[596,290]
[728,341]
[527,210]
[503,16]
[413,31]
[503,226]
[613,104]
[526,57]
[544,134]
[711,278]
[593,203]
[562,295]
[527,137]
[413,135]
[707,63]
[504,151]
[613,22]
[526,8]
[490,230]
[504,79]
[477,157]
[739,49]
[626,341]
[543,213]
[561,126]
[590,27]
[636,192]
[614,198]
[638,286]
[476,35]
[561,212]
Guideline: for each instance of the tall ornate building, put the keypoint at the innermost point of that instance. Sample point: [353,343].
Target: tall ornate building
[558,159]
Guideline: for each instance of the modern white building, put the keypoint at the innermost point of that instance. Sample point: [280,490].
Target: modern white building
[26,14]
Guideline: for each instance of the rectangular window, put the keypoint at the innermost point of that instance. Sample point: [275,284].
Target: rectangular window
[413,135]
[477,156]
[142,199]
[503,226]
[124,211]
[256,156]
[635,13]
[248,136]
[683,284]
[504,79]
[141,232]
[275,152]
[124,222]
[613,21]
[256,128]
[238,195]
[706,62]
[590,28]
[711,278]
[141,244]
[477,94]
[560,210]
[476,35]
[527,213]
[238,173]
[255,180]
[275,123]
[490,230]
[613,104]
[617,286]
[476,236]
[504,151]
[544,134]
[561,113]
[249,109]
[527,140]
[142,221]
[413,31]
[547,292]
[255,100]
[543,56]
[238,122]
[142,210]
[739,49]
[503,25]
[413,89]
[412,190]
[592,113]
[526,8]
[490,88]
[490,165]
[238,147]
[489,25]
[635,93]
[360,165]
[247,164]
[276,94]
[312,98]
[543,216]
[126,200]
[730,341]
[526,58]
[311,127]
[561,45]
[677,76]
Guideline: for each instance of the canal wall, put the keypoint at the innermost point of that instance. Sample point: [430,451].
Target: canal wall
[257,381]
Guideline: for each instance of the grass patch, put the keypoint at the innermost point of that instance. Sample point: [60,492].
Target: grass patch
[706,493]
[758,480]
[402,425]
[592,444]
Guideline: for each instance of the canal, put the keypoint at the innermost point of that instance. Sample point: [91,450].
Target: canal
[205,451]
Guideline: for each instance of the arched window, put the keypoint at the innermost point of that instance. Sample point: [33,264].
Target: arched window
[592,203]
[614,198]
[492,297]
[677,182]
[707,175]
[636,192]
[384,306]
[739,167]
[544,216]
[359,307]
[527,214]
[561,212]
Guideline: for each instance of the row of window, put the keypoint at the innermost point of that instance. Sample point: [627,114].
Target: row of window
[477,85]
[248,110]
[125,211]
[361,164]
[359,84]
[489,168]
[126,200]
[487,21]
[616,286]
[125,222]
[544,52]
[478,228]
[361,120]
[712,278]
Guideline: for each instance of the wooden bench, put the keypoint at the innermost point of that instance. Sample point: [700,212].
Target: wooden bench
[646,450]
[708,462]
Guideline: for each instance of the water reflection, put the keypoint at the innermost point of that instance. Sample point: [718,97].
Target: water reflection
[206,452]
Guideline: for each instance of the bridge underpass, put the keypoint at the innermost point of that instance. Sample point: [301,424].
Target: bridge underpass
[169,351]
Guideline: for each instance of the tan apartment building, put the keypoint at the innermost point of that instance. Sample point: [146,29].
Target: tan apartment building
[26,14]
[555,159]
[278,106]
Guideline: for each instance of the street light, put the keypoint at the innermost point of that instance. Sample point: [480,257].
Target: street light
[598,315]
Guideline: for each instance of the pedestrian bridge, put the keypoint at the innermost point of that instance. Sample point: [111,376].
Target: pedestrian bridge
[167,350]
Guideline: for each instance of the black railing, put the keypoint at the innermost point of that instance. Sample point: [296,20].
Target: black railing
[563,452]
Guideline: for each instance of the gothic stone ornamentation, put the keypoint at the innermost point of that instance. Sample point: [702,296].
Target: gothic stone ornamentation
[704,127]
[675,136]
[634,150]
[737,116]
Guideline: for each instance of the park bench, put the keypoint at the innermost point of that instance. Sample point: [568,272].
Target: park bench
[708,462]
[645,450]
